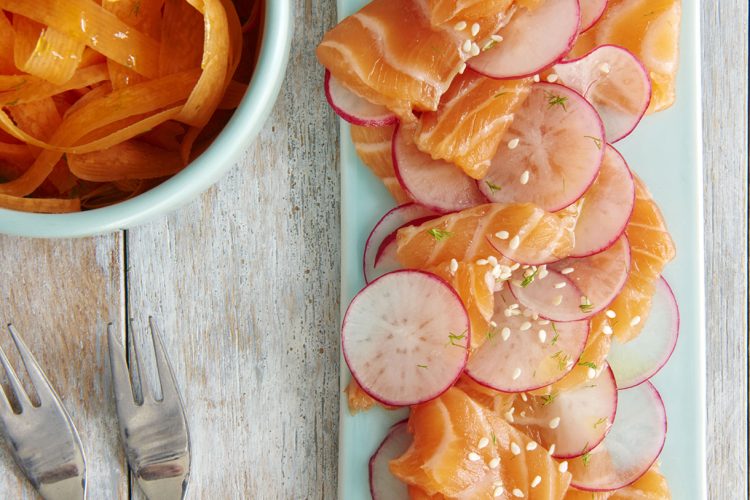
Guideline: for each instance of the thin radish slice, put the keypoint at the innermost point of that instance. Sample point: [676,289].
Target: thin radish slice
[607,206]
[575,420]
[532,41]
[355,109]
[633,444]
[436,184]
[615,82]
[555,297]
[405,337]
[380,251]
[521,354]
[383,484]
[640,359]
[552,151]
[591,12]
[599,277]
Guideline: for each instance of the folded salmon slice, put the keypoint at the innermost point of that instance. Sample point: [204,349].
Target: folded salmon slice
[465,236]
[374,148]
[468,11]
[470,122]
[391,54]
[463,450]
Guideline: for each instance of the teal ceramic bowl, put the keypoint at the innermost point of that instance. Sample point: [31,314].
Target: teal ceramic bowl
[202,172]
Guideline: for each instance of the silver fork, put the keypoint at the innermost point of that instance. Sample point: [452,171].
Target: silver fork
[154,432]
[43,440]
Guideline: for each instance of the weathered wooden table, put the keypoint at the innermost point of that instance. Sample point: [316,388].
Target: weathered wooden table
[245,283]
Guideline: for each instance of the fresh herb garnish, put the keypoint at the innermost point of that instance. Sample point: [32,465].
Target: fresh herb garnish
[421,366]
[599,422]
[587,364]
[586,305]
[527,280]
[556,100]
[596,140]
[493,187]
[439,234]
[557,335]
[453,338]
[562,360]
[549,398]
[500,94]
[586,458]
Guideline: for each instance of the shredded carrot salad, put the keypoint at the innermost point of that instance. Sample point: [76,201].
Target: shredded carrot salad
[100,100]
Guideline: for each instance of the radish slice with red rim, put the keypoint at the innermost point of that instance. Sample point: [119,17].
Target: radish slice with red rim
[532,41]
[632,446]
[380,250]
[523,354]
[640,359]
[599,277]
[383,484]
[436,184]
[355,109]
[555,297]
[574,420]
[615,82]
[591,12]
[405,337]
[607,206]
[551,153]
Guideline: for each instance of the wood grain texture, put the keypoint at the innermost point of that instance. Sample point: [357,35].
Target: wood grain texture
[725,43]
[59,295]
[245,283]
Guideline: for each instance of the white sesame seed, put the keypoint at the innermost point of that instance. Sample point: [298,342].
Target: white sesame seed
[560,285]
[475,29]
[460,26]
[515,266]
[514,242]
[554,423]
[537,79]
[591,373]
[466,47]
[525,177]
[513,143]
[607,330]
[461,68]
[567,270]
[516,373]
[536,481]
[563,467]
[509,416]
[454,266]
[542,274]
[531,446]
[493,324]
[611,314]
[483,443]
[515,449]
[475,50]
[496,38]
[517,493]
[524,397]
[523,413]
[494,463]
[552,78]
[551,449]
[502,235]
[498,492]
[604,68]
[474,457]
[635,320]
[542,336]
[543,322]
[514,306]
[492,260]
[482,262]
[505,333]
[557,300]
[525,326]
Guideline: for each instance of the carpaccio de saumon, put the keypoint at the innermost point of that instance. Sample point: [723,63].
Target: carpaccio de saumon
[514,298]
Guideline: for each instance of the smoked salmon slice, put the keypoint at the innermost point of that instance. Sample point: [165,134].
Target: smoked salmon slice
[463,450]
[651,486]
[456,11]
[374,148]
[391,54]
[469,124]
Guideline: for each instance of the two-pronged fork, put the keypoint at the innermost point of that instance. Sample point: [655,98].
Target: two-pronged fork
[154,432]
[43,440]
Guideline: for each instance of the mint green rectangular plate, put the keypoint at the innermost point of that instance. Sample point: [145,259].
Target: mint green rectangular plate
[666,151]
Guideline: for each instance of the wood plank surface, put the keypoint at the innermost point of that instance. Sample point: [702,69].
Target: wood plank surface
[725,43]
[245,284]
[60,295]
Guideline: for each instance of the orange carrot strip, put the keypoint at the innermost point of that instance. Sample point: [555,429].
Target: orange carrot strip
[89,23]
[7,61]
[45,52]
[39,118]
[17,154]
[127,160]
[207,93]
[30,88]
[181,38]
[40,205]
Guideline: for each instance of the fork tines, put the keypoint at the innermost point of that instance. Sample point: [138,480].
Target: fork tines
[42,438]
[153,431]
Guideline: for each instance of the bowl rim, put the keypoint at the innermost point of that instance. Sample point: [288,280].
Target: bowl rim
[201,173]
